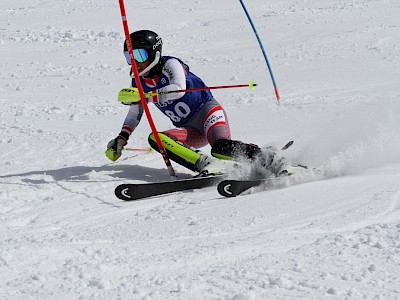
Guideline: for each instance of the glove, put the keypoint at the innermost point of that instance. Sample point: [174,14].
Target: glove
[131,96]
[115,146]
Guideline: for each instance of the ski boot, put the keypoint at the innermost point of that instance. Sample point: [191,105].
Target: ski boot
[209,166]
[264,162]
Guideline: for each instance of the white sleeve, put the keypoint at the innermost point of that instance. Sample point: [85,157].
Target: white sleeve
[132,118]
[176,74]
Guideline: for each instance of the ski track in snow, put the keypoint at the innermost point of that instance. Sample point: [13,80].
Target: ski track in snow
[64,234]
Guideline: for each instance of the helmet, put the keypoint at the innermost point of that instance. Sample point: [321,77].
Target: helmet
[149,41]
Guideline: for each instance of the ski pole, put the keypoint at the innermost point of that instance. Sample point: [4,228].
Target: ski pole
[263,51]
[147,150]
[125,94]
[141,92]
[252,85]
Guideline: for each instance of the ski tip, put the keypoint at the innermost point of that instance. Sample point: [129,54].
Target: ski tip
[225,189]
[122,192]
[287,145]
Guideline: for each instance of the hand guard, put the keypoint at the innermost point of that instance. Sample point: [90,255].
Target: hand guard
[131,96]
[115,146]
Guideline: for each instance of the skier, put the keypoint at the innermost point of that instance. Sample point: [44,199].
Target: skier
[198,117]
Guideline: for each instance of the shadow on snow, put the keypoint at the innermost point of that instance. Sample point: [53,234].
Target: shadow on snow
[97,174]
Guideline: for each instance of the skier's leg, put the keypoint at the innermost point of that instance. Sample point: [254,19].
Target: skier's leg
[215,124]
[234,150]
[189,137]
[187,156]
[216,128]
[239,151]
[177,151]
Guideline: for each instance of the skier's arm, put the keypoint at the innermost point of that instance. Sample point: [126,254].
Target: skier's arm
[132,120]
[115,146]
[177,79]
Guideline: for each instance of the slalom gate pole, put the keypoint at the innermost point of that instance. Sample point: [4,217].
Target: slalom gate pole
[141,92]
[263,51]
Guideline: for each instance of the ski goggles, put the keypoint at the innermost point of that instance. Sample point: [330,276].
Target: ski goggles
[141,55]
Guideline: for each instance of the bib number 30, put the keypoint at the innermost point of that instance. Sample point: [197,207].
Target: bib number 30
[181,111]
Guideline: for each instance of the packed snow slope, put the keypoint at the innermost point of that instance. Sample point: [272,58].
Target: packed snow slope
[64,235]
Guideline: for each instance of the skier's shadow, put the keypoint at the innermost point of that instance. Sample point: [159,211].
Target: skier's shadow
[88,174]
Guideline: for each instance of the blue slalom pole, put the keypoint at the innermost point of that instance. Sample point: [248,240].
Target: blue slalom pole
[263,51]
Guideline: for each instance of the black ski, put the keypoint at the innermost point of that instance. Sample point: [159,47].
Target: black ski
[233,188]
[137,191]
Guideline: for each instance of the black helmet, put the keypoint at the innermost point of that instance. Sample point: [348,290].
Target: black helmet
[149,41]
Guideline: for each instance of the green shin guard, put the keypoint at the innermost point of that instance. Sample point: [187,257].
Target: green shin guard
[176,151]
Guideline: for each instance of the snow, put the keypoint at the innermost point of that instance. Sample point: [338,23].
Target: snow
[64,235]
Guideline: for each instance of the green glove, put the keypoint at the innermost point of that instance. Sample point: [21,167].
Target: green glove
[115,146]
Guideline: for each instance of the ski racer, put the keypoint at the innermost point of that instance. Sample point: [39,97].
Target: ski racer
[198,118]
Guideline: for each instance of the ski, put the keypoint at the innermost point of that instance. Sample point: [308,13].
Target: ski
[233,188]
[228,188]
[138,191]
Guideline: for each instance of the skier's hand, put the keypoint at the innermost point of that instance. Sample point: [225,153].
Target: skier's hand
[131,96]
[115,146]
